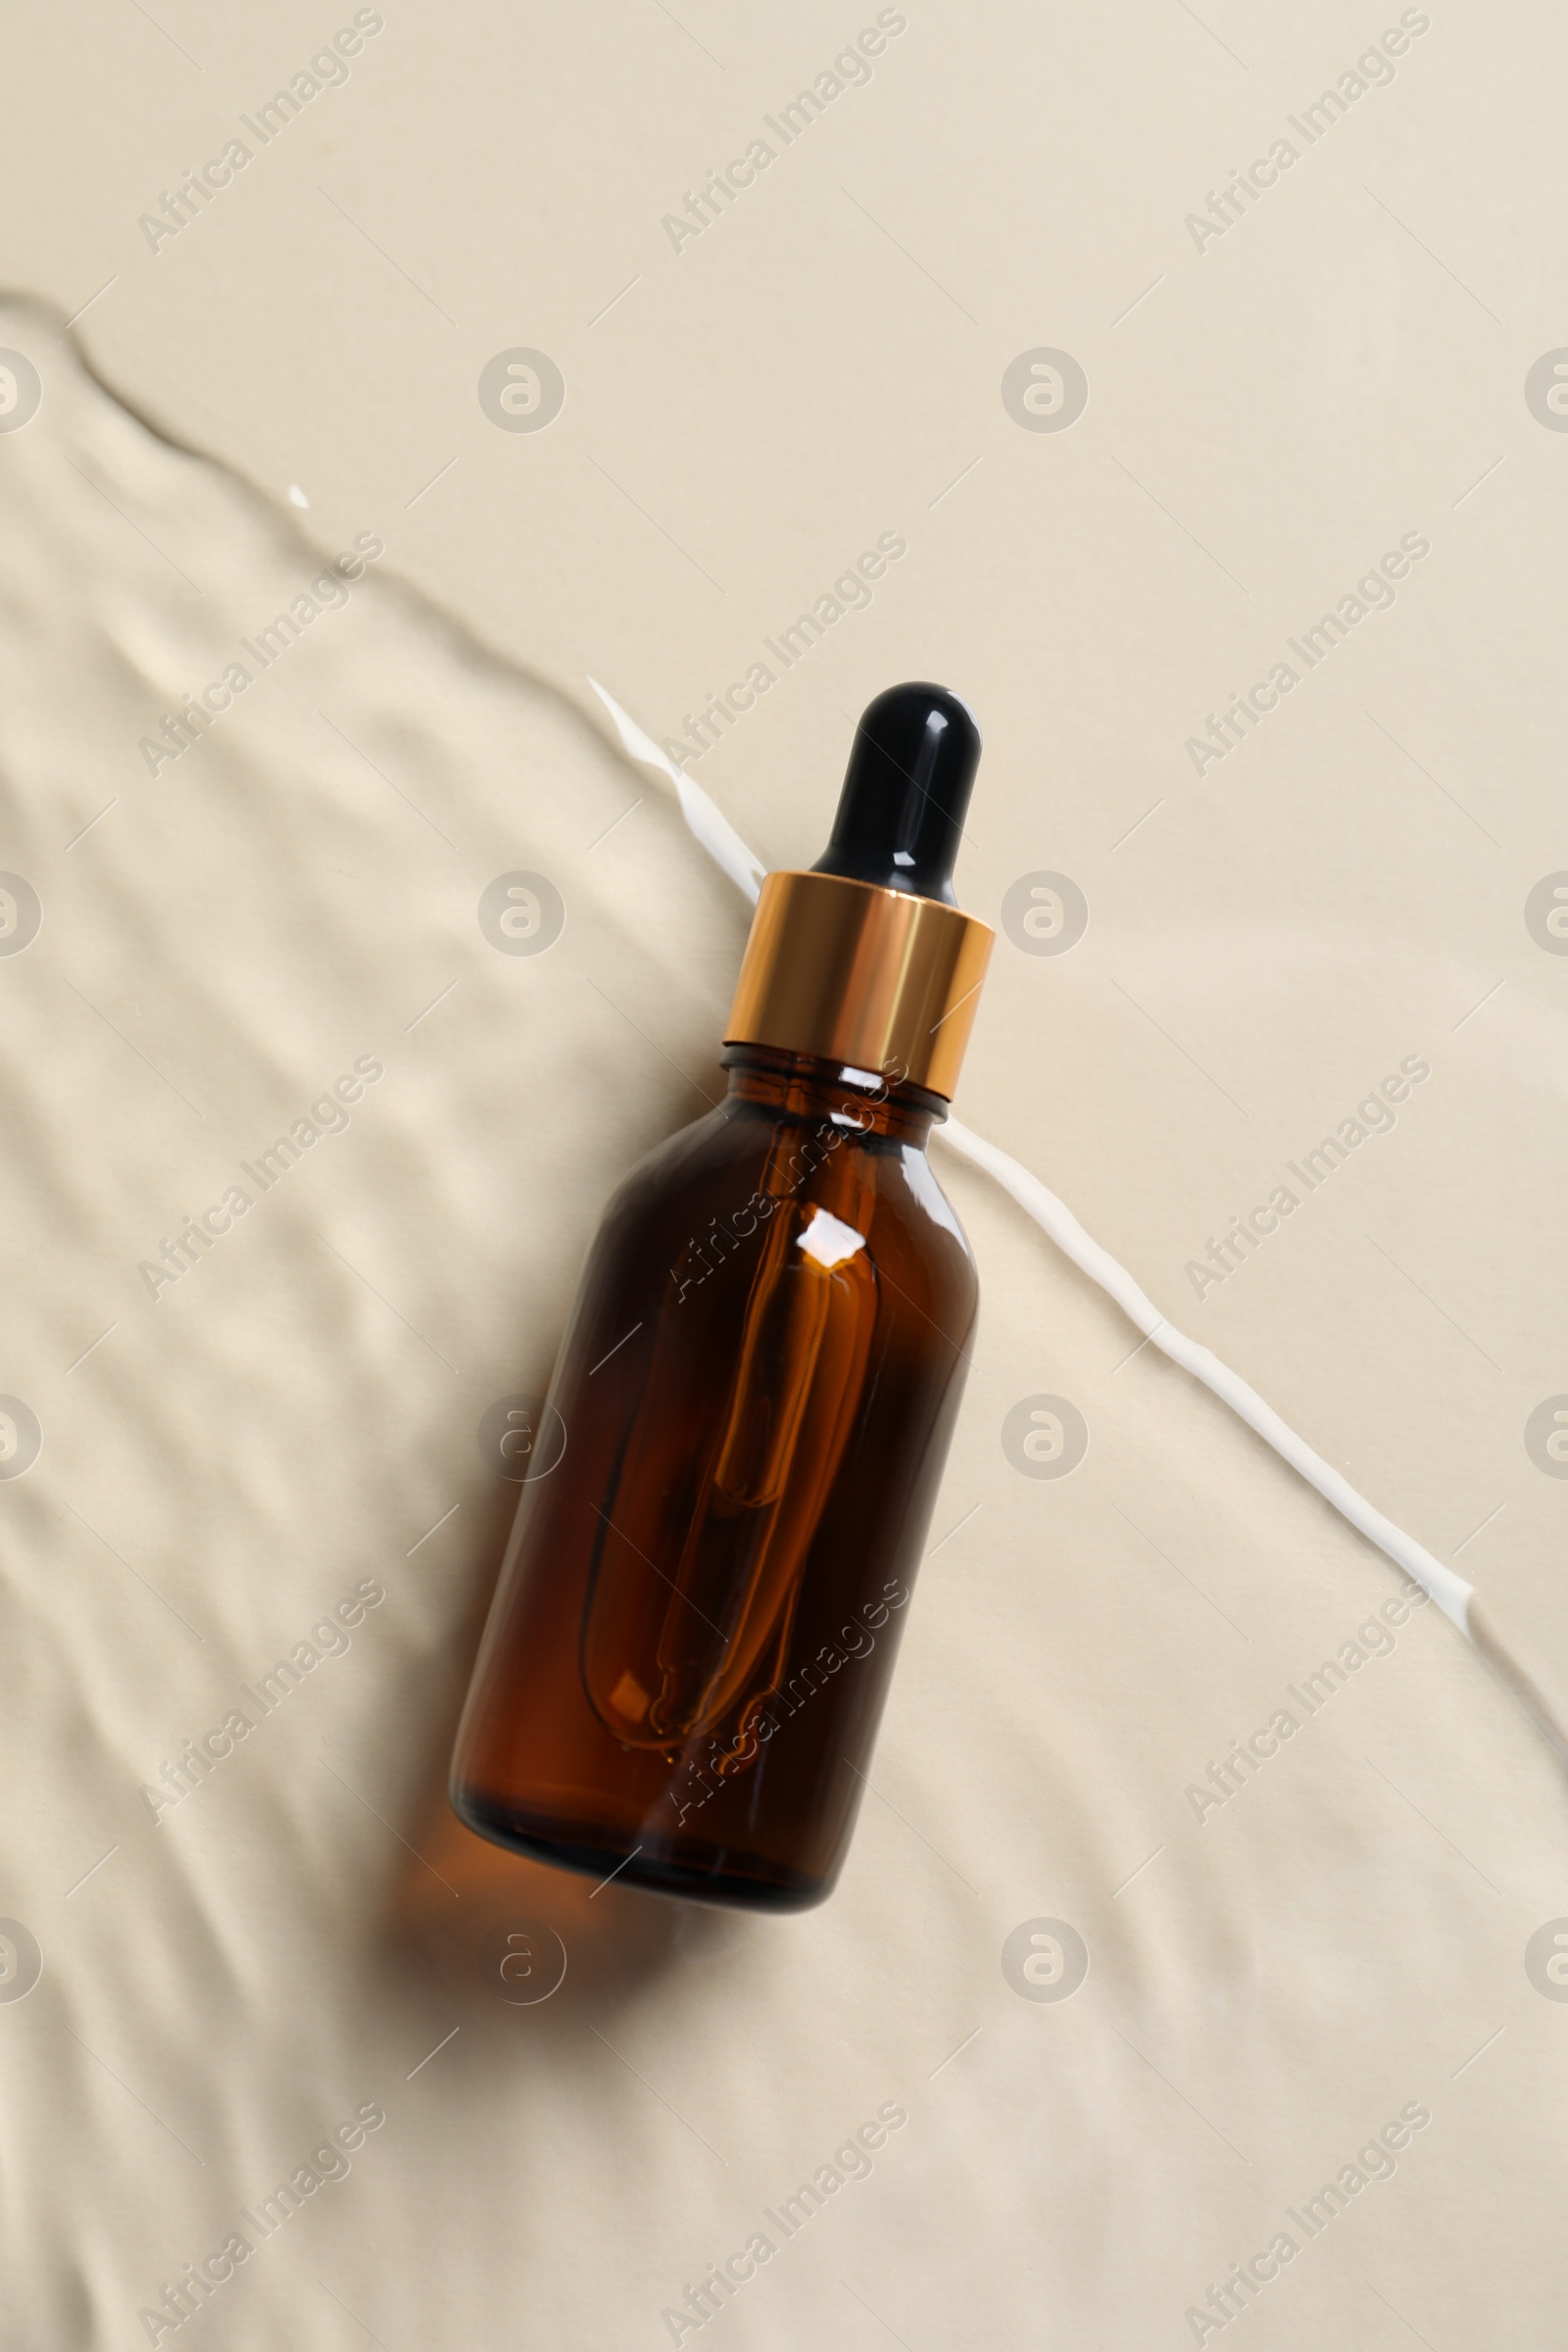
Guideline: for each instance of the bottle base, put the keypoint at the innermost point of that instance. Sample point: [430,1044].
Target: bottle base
[692,1872]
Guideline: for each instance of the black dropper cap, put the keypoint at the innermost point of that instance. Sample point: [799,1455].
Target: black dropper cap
[906,792]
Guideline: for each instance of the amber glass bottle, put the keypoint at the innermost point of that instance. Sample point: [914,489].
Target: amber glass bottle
[691,1641]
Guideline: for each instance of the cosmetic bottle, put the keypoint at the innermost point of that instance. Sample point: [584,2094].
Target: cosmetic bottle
[733,1474]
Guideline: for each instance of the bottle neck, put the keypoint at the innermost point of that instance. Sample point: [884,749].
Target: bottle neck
[862,977]
[804,1087]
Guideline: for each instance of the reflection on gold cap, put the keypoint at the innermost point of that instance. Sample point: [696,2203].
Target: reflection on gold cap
[876,979]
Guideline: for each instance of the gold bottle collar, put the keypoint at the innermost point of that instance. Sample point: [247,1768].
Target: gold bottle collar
[875,979]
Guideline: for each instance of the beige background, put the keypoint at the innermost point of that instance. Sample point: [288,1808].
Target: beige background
[823,364]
